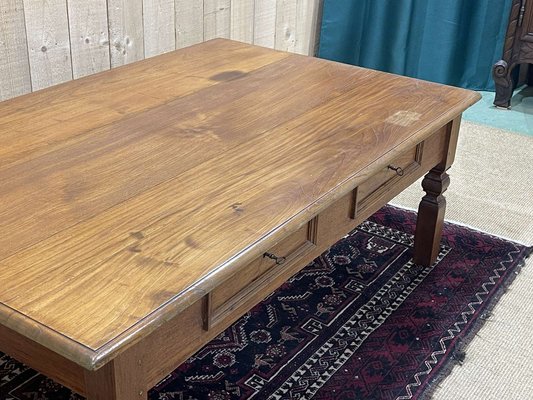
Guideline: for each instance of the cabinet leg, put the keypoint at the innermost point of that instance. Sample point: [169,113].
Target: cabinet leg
[120,379]
[501,72]
[431,217]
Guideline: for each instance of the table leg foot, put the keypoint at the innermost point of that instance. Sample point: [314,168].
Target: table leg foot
[501,72]
[431,217]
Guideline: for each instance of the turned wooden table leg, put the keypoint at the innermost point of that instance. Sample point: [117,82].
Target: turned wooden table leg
[433,205]
[121,379]
[431,217]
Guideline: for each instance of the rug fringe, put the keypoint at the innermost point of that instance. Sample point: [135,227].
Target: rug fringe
[459,352]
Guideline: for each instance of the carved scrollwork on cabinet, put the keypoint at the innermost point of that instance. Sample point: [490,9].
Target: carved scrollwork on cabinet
[518,49]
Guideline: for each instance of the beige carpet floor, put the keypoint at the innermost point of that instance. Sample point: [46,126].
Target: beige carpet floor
[492,190]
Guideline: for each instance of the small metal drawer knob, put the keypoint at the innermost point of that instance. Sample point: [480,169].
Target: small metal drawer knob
[278,260]
[399,170]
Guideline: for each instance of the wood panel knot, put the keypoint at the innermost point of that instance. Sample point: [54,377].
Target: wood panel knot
[137,235]
[135,249]
[237,207]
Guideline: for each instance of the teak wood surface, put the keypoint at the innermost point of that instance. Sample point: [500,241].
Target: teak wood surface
[130,197]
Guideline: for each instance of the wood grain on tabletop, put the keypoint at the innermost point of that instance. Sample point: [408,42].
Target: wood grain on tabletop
[123,190]
[35,123]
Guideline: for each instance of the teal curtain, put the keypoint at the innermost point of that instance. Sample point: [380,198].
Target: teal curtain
[447,41]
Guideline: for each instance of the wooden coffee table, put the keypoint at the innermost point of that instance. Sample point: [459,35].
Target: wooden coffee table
[146,208]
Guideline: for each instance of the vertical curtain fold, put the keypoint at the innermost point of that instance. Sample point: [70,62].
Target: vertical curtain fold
[453,41]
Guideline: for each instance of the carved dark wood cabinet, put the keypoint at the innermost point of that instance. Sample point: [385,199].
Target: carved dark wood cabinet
[518,49]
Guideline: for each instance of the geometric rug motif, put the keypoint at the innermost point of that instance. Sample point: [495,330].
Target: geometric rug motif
[359,322]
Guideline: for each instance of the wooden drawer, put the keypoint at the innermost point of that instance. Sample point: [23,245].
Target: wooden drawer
[249,285]
[353,208]
[205,319]
[397,170]
[255,282]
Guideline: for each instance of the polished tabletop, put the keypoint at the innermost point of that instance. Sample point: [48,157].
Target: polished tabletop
[127,195]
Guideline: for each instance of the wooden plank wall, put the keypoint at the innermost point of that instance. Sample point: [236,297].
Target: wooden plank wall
[43,43]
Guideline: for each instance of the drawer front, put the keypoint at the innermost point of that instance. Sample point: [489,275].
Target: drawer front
[396,171]
[249,283]
[253,283]
[353,208]
[206,318]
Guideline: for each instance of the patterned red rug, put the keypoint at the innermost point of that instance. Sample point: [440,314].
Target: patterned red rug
[360,322]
